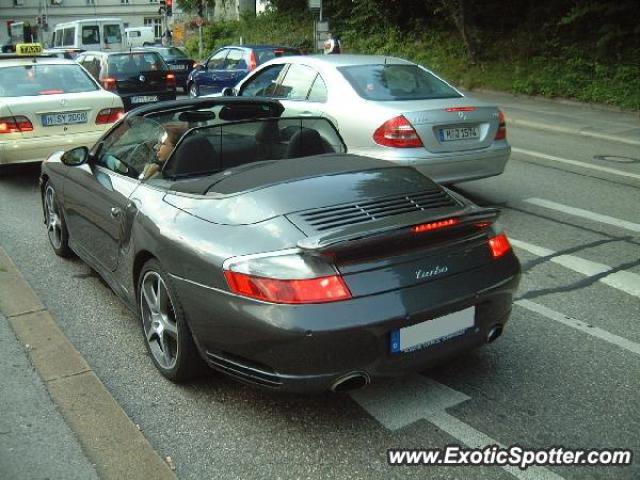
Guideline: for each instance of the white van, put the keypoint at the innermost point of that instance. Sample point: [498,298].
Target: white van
[91,34]
[139,36]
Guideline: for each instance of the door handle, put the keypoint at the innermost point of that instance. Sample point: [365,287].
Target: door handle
[116,212]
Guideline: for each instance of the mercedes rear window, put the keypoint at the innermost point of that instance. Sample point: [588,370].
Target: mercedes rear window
[396,82]
[35,80]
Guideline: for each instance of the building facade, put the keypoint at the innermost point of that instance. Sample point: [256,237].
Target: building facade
[44,15]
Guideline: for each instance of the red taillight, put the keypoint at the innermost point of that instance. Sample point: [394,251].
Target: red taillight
[460,109]
[308,290]
[429,227]
[109,115]
[15,124]
[499,245]
[109,83]
[397,132]
[171,80]
[50,92]
[253,61]
[501,134]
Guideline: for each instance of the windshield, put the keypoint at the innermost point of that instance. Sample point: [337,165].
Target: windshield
[132,63]
[38,79]
[264,55]
[172,53]
[396,82]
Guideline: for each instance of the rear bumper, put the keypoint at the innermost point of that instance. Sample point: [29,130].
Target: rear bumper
[37,149]
[449,168]
[306,348]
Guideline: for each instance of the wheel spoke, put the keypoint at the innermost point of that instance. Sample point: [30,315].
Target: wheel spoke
[170,328]
[166,350]
[150,296]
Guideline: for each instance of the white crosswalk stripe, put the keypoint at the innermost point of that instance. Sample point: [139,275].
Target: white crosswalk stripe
[627,282]
[579,212]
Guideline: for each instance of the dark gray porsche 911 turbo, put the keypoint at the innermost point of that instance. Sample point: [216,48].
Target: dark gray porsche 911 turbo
[261,248]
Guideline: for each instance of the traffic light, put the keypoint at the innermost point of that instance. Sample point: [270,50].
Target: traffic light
[169,8]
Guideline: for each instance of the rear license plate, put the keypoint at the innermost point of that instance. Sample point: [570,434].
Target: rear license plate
[459,133]
[66,118]
[433,331]
[144,99]
[178,67]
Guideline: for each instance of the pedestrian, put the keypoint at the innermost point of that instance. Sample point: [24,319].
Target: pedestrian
[332,44]
[167,38]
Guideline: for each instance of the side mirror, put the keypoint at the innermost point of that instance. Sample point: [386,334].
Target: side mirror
[229,92]
[75,157]
[198,67]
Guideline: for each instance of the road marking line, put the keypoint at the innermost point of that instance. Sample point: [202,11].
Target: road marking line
[579,325]
[579,212]
[613,171]
[403,401]
[627,282]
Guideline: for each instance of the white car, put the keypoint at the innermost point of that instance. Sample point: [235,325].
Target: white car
[49,104]
[389,108]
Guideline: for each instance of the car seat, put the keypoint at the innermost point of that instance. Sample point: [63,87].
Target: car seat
[193,156]
[305,143]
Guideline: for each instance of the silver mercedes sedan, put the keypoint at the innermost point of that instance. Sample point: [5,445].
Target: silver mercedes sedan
[391,109]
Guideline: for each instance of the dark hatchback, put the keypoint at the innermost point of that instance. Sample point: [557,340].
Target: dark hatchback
[137,77]
[178,61]
[227,66]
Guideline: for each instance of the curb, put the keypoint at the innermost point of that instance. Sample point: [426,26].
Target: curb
[573,131]
[108,437]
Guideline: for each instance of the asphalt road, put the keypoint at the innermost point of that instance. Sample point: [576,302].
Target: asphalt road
[565,373]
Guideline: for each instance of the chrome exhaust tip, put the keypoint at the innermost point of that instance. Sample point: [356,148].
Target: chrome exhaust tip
[494,333]
[351,381]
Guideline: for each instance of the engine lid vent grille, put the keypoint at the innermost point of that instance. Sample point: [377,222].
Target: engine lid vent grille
[336,216]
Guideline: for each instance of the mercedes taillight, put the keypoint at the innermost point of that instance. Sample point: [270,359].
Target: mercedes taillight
[15,124]
[109,115]
[501,134]
[397,132]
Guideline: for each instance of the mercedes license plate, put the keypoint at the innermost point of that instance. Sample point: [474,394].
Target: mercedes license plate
[65,118]
[459,133]
[432,331]
[178,67]
[144,99]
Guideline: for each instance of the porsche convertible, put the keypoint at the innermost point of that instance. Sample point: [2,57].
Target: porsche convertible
[263,249]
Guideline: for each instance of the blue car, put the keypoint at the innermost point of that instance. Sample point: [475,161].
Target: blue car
[228,65]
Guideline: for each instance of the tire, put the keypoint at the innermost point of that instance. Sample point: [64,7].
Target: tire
[193,90]
[164,327]
[56,225]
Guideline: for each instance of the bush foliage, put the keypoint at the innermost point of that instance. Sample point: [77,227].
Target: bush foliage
[589,51]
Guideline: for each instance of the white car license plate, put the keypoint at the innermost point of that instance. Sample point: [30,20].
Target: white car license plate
[178,67]
[459,133]
[66,118]
[144,99]
[433,331]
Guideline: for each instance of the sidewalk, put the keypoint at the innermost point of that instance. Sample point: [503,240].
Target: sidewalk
[35,441]
[563,116]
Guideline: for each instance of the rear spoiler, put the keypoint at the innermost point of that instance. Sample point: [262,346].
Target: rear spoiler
[391,227]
